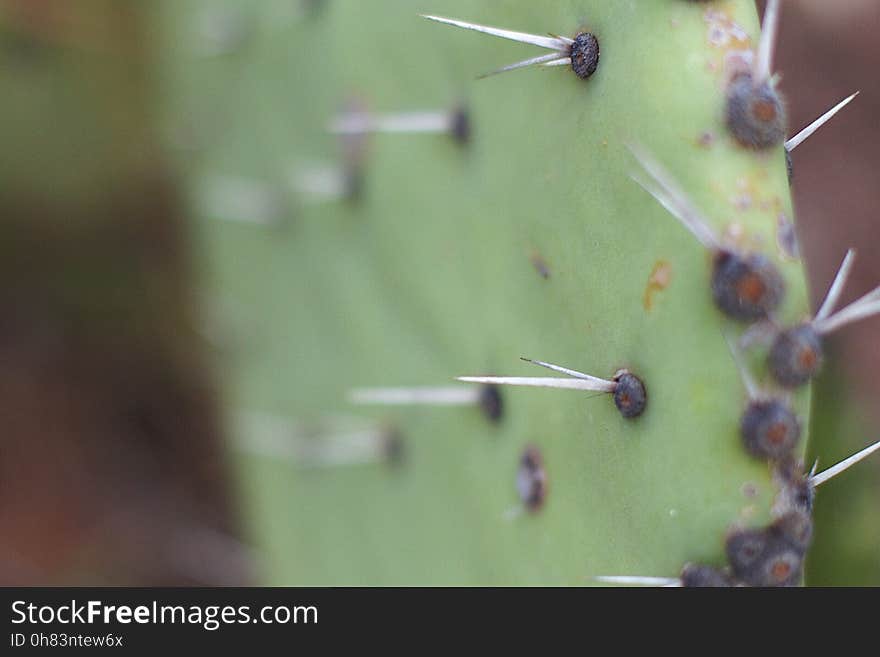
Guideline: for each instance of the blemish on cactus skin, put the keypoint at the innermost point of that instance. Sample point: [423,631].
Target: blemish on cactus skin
[531,479]
[736,63]
[724,33]
[751,195]
[735,233]
[749,490]
[659,280]
[540,265]
[786,238]
[706,139]
[742,202]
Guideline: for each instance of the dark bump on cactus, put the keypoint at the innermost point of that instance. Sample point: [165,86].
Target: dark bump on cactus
[783,569]
[795,356]
[796,491]
[755,114]
[353,185]
[804,495]
[744,549]
[628,390]
[540,265]
[581,52]
[355,147]
[765,557]
[460,125]
[630,395]
[531,479]
[769,429]
[585,55]
[394,448]
[746,287]
[795,527]
[701,576]
[491,402]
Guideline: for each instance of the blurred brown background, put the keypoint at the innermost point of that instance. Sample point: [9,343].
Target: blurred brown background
[827,50]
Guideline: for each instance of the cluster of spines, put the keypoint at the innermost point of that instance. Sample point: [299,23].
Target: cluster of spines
[747,287]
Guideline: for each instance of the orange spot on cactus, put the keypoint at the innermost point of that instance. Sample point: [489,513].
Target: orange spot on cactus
[726,36]
[659,280]
[764,111]
[781,570]
[777,433]
[751,288]
[807,359]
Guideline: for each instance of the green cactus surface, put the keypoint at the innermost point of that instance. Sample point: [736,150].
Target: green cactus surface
[530,240]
